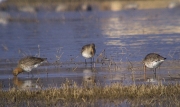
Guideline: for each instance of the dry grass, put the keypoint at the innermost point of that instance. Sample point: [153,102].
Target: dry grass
[70,93]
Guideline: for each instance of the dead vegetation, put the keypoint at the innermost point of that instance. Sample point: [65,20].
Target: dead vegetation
[70,93]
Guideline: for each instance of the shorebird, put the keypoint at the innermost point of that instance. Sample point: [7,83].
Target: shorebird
[27,64]
[88,51]
[153,60]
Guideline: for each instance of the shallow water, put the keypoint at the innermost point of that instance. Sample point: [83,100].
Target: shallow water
[122,40]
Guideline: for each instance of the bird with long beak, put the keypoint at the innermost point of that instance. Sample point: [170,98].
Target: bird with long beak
[27,64]
[153,60]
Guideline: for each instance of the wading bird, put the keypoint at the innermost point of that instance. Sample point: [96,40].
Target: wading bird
[88,51]
[153,60]
[27,64]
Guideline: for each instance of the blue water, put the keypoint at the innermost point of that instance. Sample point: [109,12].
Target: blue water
[126,36]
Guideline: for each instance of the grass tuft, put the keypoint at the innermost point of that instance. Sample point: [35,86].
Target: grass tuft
[70,92]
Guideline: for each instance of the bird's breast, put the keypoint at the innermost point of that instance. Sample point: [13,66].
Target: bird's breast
[86,55]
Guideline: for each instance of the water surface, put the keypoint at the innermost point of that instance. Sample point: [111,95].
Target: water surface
[122,40]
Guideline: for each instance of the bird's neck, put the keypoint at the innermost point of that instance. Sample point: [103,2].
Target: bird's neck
[19,70]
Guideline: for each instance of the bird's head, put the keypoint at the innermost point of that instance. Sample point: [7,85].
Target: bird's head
[17,70]
[93,45]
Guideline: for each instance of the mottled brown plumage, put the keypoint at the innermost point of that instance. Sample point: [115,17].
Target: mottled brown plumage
[27,64]
[88,51]
[153,60]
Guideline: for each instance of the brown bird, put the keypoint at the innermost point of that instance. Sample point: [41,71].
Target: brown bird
[27,64]
[88,51]
[153,60]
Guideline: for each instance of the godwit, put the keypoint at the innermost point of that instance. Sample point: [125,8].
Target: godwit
[153,60]
[27,64]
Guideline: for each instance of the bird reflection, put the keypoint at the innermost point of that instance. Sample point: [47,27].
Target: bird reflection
[25,84]
[88,77]
[152,80]
[4,17]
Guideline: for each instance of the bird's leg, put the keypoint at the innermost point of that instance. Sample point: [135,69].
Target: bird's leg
[85,62]
[144,68]
[93,62]
[144,72]
[154,70]
[32,75]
